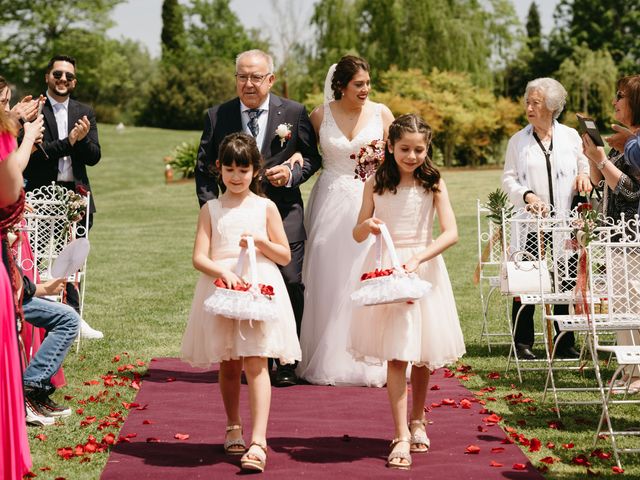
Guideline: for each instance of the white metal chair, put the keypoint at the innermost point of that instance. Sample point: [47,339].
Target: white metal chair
[495,310]
[615,273]
[57,217]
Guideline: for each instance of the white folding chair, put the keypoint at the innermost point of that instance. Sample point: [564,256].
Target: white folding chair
[495,309]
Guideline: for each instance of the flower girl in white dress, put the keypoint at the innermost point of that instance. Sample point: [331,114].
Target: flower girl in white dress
[404,193]
[223,225]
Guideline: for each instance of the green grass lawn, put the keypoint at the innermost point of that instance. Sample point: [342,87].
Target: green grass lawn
[139,288]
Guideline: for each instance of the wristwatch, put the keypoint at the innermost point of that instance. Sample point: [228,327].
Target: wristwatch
[601,165]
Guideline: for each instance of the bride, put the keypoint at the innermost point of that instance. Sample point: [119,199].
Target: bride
[333,260]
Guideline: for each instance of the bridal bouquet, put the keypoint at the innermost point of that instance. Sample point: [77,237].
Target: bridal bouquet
[368,159]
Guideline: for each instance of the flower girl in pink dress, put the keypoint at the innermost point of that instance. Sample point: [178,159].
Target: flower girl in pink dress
[404,194]
[224,224]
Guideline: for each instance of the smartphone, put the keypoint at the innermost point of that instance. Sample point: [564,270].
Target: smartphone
[588,125]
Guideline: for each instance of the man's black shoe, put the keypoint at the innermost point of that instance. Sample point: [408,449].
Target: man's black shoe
[524,352]
[570,352]
[285,377]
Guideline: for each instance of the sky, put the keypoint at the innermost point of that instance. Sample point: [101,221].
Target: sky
[141,19]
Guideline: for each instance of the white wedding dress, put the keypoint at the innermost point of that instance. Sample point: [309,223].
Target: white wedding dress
[333,260]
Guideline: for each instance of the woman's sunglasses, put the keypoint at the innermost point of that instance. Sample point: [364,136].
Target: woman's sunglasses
[57,74]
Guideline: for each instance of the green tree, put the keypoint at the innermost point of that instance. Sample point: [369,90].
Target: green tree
[172,35]
[599,24]
[32,30]
[590,78]
[534,28]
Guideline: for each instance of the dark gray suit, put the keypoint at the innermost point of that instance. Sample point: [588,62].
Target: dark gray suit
[224,119]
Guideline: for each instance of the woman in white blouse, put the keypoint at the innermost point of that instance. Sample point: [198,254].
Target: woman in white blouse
[544,169]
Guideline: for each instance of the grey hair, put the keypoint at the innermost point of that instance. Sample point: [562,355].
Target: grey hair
[555,95]
[258,53]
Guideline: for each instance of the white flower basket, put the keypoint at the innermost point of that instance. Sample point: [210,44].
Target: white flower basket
[243,305]
[399,287]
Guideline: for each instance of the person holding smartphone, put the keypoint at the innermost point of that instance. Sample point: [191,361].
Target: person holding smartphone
[618,176]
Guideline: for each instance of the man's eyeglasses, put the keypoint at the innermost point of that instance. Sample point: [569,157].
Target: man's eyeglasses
[619,95]
[57,74]
[254,78]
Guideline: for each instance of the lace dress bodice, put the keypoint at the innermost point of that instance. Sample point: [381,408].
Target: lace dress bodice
[337,149]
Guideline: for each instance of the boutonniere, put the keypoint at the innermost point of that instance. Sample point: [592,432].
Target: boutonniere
[284,132]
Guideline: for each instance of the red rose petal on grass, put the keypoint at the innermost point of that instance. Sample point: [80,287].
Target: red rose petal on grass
[535,446]
[543,469]
[568,446]
[493,375]
[135,385]
[68,397]
[45,469]
[79,450]
[116,359]
[509,429]
[109,439]
[616,469]
[131,405]
[30,474]
[61,478]
[522,422]
[85,460]
[506,440]
[172,379]
[495,464]
[435,387]
[519,466]
[556,425]
[148,422]
[497,450]
[551,445]
[548,460]
[42,437]
[152,440]
[472,449]
[92,382]
[581,460]
[65,452]
[90,448]
[493,418]
[181,436]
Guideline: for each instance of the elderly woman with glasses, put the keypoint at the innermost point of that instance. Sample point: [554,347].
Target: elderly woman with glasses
[618,176]
[544,169]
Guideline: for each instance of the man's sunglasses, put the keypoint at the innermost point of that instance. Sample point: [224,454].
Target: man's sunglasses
[57,74]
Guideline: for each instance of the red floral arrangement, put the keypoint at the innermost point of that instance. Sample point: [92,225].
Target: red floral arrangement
[368,159]
[266,290]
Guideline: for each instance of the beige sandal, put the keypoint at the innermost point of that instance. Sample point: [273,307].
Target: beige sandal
[237,446]
[420,443]
[256,464]
[394,460]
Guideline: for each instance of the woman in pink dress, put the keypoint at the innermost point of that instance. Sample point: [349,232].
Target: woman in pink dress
[15,459]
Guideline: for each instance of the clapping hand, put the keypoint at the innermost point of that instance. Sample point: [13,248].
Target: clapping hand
[26,109]
[80,130]
[34,131]
[619,138]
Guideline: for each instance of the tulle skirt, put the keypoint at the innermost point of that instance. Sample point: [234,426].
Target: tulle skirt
[426,332]
[332,266]
[210,339]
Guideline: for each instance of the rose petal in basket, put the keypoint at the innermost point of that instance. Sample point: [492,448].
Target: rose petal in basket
[398,287]
[241,305]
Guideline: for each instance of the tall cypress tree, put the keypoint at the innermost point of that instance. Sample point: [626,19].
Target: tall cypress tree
[172,27]
[534,28]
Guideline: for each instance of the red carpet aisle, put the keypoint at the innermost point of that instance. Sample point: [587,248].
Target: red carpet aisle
[314,432]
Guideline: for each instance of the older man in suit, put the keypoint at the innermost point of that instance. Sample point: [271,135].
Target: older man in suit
[281,128]
[69,145]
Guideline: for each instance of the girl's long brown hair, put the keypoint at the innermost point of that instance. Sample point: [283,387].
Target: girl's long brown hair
[388,175]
